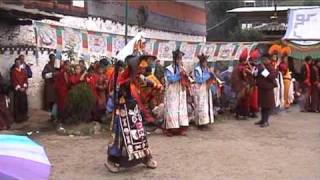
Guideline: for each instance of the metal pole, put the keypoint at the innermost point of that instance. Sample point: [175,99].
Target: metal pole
[126,22]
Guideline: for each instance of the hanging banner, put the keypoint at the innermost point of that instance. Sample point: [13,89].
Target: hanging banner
[150,47]
[118,43]
[93,45]
[97,43]
[189,51]
[303,24]
[226,52]
[241,47]
[165,50]
[208,50]
[72,38]
[47,36]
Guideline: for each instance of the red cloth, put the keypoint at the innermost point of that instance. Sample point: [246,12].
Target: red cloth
[254,106]
[123,78]
[101,88]
[74,79]
[19,78]
[91,80]
[283,68]
[135,94]
[61,86]
[307,80]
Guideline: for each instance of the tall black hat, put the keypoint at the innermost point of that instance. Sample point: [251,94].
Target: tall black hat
[177,53]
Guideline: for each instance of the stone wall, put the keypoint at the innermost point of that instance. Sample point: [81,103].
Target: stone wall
[35,90]
[16,40]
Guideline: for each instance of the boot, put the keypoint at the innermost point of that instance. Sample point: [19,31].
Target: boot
[151,164]
[258,122]
[112,167]
[265,124]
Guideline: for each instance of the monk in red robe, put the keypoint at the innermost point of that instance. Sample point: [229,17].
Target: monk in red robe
[315,87]
[19,80]
[101,90]
[240,85]
[61,87]
[77,77]
[306,84]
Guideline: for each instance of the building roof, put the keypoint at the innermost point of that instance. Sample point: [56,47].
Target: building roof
[267,9]
[195,3]
[20,12]
[274,26]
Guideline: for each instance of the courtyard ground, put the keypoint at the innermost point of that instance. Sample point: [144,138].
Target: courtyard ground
[231,150]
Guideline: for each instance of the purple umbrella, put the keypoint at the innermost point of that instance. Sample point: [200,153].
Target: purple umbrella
[22,159]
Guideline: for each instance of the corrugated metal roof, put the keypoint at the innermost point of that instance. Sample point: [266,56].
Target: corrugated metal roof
[271,27]
[267,9]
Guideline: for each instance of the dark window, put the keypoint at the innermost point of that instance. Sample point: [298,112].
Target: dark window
[65,2]
[249,4]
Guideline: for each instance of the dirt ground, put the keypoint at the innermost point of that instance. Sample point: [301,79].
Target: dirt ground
[231,150]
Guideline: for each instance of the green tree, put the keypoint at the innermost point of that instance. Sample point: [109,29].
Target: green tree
[220,23]
[79,104]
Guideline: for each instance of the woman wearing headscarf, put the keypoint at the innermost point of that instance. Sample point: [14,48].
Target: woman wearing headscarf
[175,99]
[203,98]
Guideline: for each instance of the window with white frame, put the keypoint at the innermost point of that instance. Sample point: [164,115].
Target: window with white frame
[78,3]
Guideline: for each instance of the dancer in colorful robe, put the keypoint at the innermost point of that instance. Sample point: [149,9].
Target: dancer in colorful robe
[203,97]
[254,106]
[175,98]
[275,51]
[287,79]
[129,146]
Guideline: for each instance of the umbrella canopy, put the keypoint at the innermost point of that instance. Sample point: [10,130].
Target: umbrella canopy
[22,159]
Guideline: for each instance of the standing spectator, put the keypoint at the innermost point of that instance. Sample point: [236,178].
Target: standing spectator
[61,86]
[77,77]
[101,89]
[266,82]
[158,71]
[315,85]
[25,66]
[19,80]
[306,84]
[5,115]
[48,74]
[83,66]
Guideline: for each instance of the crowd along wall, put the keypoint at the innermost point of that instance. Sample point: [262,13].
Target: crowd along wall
[37,41]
